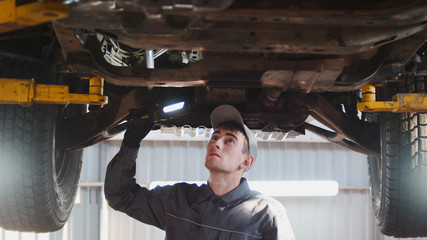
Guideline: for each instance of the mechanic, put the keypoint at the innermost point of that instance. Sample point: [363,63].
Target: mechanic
[224,208]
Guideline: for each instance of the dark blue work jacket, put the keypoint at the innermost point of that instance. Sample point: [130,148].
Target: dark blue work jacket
[187,211]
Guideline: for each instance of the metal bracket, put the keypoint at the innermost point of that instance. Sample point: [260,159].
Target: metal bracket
[25,92]
[402,102]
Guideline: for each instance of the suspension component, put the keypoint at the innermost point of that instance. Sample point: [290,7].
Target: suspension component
[402,102]
[25,92]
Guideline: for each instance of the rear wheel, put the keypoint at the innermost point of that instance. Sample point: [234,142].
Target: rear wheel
[399,179]
[38,182]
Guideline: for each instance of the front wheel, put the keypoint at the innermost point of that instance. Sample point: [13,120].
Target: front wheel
[399,178]
[38,183]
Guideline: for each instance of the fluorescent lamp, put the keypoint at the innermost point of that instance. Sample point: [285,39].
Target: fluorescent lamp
[173,107]
[295,188]
[279,188]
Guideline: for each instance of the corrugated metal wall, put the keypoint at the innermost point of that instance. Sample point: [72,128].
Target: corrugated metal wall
[345,216]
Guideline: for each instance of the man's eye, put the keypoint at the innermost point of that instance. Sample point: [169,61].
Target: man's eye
[229,140]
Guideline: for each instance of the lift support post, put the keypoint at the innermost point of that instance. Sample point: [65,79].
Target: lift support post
[25,92]
[402,102]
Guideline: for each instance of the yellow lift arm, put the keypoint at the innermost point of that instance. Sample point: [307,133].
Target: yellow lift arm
[402,102]
[14,17]
[25,92]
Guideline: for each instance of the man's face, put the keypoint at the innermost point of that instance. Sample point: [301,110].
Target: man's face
[225,151]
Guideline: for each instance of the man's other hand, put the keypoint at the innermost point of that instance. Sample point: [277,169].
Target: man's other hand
[139,126]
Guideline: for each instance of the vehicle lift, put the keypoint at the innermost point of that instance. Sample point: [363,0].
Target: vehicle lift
[14,17]
[25,92]
[402,102]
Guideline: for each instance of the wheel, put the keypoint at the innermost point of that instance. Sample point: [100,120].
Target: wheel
[38,183]
[398,180]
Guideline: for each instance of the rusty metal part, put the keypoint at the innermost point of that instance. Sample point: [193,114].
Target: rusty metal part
[305,75]
[336,138]
[255,29]
[357,134]
[232,69]
[219,70]
[272,97]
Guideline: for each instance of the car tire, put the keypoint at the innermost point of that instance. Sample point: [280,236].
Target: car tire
[38,182]
[398,180]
